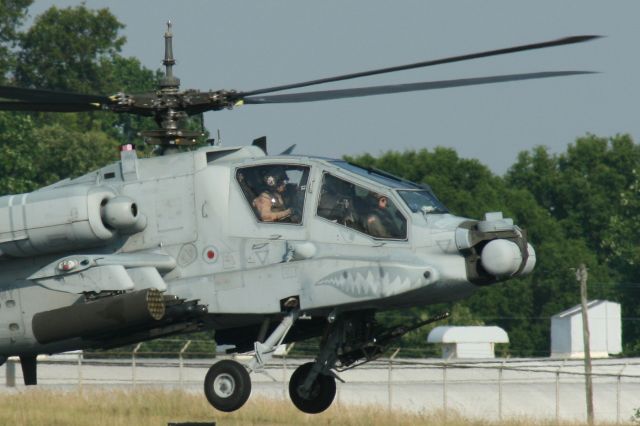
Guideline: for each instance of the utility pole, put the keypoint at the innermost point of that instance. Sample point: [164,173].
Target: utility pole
[581,276]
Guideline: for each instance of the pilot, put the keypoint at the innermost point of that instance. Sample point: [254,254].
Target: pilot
[270,204]
[379,222]
[336,204]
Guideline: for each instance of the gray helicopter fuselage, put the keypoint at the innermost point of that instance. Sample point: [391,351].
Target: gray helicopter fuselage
[183,224]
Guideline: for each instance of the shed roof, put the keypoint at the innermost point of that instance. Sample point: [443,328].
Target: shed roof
[577,310]
[470,334]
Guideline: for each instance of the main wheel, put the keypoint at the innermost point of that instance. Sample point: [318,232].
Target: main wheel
[227,385]
[323,390]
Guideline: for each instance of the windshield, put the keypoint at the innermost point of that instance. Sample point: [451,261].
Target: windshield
[419,198]
[422,201]
[379,176]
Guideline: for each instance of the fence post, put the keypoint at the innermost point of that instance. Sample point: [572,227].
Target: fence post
[500,389]
[618,393]
[558,391]
[389,386]
[184,348]
[80,355]
[284,376]
[444,389]
[133,363]
[10,378]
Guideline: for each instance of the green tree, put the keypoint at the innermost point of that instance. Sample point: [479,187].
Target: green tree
[592,193]
[73,49]
[73,152]
[64,50]
[18,173]
[12,15]
[591,189]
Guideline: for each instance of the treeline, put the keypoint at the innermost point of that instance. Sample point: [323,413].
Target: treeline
[581,206]
[76,50]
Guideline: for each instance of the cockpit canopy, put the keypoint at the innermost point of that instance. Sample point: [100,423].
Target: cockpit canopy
[418,197]
[277,193]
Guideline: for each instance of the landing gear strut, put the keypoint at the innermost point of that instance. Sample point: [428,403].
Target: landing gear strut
[227,385]
[350,339]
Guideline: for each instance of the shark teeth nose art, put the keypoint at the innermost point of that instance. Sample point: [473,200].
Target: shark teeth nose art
[365,282]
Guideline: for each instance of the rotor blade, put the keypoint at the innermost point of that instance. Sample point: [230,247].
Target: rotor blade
[48,107]
[49,96]
[399,88]
[558,42]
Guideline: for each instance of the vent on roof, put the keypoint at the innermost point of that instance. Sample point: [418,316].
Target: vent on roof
[216,155]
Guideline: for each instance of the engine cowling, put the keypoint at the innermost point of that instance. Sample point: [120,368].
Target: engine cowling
[121,214]
[64,218]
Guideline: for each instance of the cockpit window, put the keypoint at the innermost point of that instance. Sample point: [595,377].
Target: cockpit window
[275,192]
[355,207]
[422,201]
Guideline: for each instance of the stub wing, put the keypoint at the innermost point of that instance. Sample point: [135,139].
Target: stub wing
[97,273]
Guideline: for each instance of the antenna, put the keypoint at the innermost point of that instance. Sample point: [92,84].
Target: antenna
[169,83]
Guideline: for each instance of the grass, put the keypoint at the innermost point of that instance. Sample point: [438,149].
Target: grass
[151,406]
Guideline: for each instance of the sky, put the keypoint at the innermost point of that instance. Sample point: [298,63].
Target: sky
[252,44]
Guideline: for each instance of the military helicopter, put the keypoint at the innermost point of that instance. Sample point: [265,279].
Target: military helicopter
[263,249]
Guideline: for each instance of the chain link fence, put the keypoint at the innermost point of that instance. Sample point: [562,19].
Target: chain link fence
[496,389]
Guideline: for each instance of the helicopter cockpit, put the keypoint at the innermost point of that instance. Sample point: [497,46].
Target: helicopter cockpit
[359,208]
[276,194]
[373,212]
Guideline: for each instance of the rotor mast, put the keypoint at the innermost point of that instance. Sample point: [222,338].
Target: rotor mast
[169,104]
[169,83]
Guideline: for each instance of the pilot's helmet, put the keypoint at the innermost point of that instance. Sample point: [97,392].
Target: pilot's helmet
[275,177]
[381,199]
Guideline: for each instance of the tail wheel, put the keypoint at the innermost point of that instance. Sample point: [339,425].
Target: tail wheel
[321,395]
[227,385]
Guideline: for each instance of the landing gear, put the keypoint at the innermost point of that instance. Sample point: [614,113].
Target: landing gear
[320,395]
[350,339]
[227,385]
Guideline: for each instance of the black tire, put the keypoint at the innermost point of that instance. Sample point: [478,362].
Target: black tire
[323,390]
[227,385]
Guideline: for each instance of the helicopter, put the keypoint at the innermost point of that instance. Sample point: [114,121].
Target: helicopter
[263,249]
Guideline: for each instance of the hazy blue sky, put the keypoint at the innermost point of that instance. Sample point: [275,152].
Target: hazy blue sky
[247,45]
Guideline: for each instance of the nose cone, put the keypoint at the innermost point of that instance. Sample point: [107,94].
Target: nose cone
[504,258]
[494,249]
[501,257]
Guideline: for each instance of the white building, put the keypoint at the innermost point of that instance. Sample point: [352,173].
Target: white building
[605,331]
[468,342]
